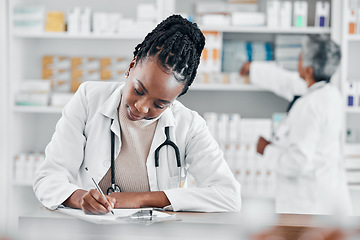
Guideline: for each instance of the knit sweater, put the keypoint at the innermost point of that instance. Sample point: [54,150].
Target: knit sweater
[130,164]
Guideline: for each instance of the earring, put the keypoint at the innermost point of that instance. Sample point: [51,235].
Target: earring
[127,73]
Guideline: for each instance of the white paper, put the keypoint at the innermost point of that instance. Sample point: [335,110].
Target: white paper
[109,218]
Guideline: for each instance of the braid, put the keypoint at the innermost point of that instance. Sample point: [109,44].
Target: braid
[177,44]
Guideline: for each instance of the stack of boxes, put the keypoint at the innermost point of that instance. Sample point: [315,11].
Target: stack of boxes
[67,73]
[55,22]
[77,20]
[287,51]
[237,138]
[25,166]
[278,13]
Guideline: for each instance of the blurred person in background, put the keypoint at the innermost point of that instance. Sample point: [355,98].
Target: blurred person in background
[306,152]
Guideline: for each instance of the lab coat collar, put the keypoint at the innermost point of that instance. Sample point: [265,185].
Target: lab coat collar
[110,109]
[316,86]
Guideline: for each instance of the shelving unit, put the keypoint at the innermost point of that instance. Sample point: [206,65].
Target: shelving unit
[32,126]
[225,87]
[350,72]
[4,119]
[37,109]
[126,35]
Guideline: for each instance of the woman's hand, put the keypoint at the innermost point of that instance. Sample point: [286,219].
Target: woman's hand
[91,202]
[140,199]
[261,145]
[245,69]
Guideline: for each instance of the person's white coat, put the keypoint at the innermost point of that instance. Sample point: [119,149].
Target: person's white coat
[82,139]
[307,155]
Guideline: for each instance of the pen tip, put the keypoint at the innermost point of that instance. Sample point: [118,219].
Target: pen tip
[112,212]
[86,169]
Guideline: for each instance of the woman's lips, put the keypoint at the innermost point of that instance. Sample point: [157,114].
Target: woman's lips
[132,116]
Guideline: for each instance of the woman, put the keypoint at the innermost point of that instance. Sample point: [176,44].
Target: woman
[307,151]
[139,116]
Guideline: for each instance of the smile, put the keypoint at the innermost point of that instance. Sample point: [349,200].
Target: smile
[132,116]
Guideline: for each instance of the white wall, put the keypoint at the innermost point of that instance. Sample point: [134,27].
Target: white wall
[4,116]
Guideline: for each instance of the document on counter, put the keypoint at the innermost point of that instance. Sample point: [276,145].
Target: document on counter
[136,215]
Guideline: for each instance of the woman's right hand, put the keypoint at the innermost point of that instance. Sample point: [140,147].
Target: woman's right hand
[91,202]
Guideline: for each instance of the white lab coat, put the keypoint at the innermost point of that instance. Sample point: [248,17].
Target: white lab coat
[307,155]
[82,139]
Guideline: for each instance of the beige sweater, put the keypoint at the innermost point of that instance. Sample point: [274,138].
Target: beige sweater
[130,164]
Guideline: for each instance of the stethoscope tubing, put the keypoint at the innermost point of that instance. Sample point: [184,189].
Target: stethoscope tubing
[115,188]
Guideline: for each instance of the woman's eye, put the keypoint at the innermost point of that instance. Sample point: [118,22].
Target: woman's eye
[157,106]
[138,92]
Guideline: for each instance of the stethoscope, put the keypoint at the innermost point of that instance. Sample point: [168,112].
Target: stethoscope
[115,188]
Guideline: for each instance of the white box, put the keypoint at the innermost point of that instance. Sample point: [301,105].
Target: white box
[272,13]
[146,12]
[216,19]
[223,126]
[85,21]
[249,19]
[29,19]
[73,25]
[285,14]
[35,86]
[60,99]
[210,7]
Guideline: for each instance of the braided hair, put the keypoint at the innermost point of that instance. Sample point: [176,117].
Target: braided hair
[177,45]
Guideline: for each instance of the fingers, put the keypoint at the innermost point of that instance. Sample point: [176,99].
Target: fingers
[244,71]
[111,200]
[95,203]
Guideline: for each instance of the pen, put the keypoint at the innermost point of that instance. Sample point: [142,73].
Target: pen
[98,188]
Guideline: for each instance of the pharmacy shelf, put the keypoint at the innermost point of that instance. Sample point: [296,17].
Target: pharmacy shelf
[353,38]
[37,109]
[22,183]
[292,30]
[225,87]
[354,187]
[353,109]
[352,149]
[128,35]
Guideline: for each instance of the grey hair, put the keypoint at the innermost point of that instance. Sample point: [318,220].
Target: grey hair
[322,54]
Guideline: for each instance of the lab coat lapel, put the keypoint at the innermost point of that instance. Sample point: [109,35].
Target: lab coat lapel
[167,119]
[110,110]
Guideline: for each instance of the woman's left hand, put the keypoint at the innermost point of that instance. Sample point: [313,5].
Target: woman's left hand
[127,199]
[140,199]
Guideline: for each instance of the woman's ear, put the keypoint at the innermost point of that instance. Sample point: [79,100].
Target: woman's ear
[131,66]
[309,72]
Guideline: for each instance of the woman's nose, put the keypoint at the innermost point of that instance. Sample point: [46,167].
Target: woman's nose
[142,106]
